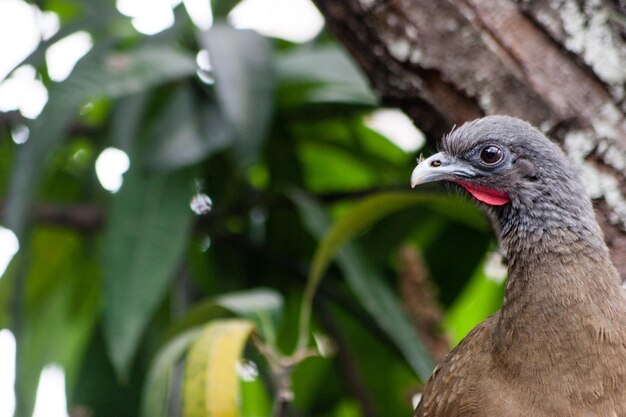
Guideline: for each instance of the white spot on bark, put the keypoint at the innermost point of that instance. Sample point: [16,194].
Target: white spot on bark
[574,25]
[549,20]
[546,126]
[608,118]
[367,4]
[589,35]
[580,144]
[485,99]
[613,155]
[410,31]
[615,200]
[591,180]
[601,185]
[416,56]
[400,49]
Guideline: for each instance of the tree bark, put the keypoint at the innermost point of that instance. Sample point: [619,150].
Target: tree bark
[559,64]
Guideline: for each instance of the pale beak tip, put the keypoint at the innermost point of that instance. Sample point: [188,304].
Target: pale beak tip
[415,176]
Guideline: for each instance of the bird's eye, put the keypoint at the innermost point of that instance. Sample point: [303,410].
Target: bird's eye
[491,154]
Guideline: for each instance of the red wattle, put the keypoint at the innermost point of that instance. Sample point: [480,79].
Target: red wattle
[484,194]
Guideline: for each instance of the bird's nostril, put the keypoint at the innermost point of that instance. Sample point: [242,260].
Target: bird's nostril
[436,163]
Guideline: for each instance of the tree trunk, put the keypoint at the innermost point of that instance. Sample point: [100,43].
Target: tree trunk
[559,64]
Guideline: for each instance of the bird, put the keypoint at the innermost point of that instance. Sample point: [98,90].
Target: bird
[557,346]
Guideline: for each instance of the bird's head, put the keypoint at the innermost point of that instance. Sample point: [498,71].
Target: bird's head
[509,166]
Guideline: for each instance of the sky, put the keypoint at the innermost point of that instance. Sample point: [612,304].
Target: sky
[23,26]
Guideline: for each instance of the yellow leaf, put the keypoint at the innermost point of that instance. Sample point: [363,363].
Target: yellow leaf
[211,384]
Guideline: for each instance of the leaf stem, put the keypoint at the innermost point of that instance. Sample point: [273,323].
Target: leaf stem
[305,314]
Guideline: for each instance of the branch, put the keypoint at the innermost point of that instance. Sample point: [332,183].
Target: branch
[14,118]
[82,217]
[420,300]
[91,218]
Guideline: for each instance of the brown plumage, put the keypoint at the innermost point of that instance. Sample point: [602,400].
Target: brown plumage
[557,348]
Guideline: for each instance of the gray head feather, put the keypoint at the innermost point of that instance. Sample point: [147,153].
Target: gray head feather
[547,198]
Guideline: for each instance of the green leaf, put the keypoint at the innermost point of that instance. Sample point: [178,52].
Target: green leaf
[385,307]
[255,401]
[189,129]
[481,297]
[133,71]
[330,169]
[62,308]
[314,380]
[211,384]
[98,387]
[372,209]
[144,242]
[372,353]
[156,398]
[369,287]
[303,65]
[251,302]
[348,408]
[127,117]
[262,306]
[244,84]
[338,80]
[102,72]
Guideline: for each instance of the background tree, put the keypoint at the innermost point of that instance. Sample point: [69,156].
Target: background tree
[256,183]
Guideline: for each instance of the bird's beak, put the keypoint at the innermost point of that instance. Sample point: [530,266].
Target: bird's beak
[440,167]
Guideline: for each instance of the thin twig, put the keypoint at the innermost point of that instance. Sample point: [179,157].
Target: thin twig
[281,369]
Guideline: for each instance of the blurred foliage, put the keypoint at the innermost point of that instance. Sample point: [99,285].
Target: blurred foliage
[291,278]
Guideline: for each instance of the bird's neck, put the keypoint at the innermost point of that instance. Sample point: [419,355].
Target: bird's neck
[560,260]
[560,277]
[562,288]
